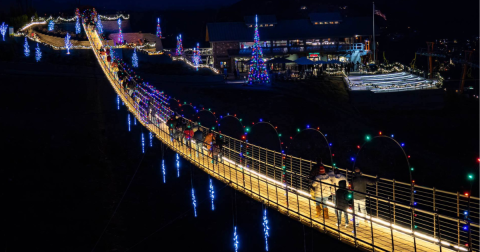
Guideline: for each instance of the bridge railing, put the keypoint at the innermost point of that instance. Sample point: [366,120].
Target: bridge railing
[414,211]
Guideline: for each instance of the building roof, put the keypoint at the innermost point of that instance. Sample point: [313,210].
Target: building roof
[289,29]
[325,17]
[262,19]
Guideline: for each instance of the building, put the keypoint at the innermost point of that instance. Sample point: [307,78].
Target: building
[321,36]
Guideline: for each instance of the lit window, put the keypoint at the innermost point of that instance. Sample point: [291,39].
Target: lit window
[336,22]
[261,25]
[331,22]
[271,24]
[250,26]
[316,23]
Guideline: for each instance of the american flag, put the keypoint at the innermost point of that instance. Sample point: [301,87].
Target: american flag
[377,12]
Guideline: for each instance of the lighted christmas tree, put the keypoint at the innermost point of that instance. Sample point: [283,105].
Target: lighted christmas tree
[258,72]
[196,56]
[68,44]
[26,49]
[38,53]
[51,25]
[179,50]
[120,35]
[135,58]
[99,25]
[78,29]
[159,30]
[3,30]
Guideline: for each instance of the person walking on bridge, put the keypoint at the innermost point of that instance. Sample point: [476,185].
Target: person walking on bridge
[198,137]
[359,184]
[322,191]
[342,202]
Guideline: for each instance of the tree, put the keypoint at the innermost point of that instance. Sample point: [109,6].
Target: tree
[258,72]
[26,48]
[38,53]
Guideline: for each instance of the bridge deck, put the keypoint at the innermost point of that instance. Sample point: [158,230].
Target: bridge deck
[371,236]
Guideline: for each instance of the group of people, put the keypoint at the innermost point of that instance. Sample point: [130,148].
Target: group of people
[185,132]
[333,184]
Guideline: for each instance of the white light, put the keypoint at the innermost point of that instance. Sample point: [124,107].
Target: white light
[212,194]
[460,248]
[425,237]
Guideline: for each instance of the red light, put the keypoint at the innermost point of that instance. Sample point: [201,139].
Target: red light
[466,194]
[291,137]
[235,115]
[478,159]
[380,133]
[358,146]
[333,155]
[413,181]
[243,137]
[253,123]
[408,156]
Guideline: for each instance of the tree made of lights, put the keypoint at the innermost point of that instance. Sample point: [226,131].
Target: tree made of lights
[99,25]
[26,49]
[78,29]
[135,58]
[258,71]
[179,50]
[196,56]
[159,29]
[68,44]
[120,35]
[3,30]
[38,53]
[51,25]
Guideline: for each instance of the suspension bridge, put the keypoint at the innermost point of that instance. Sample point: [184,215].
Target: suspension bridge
[401,216]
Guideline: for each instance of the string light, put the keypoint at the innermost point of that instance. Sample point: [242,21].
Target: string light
[134,121]
[179,50]
[151,138]
[265,228]
[68,44]
[178,167]
[212,194]
[120,35]
[134,58]
[159,30]
[26,48]
[38,53]
[129,123]
[99,25]
[143,144]
[163,170]
[3,30]
[78,30]
[118,102]
[235,238]
[194,203]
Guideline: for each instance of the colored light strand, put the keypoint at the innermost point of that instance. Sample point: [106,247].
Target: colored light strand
[212,194]
[26,48]
[3,30]
[265,228]
[68,44]
[118,102]
[135,58]
[143,144]
[134,120]
[51,25]
[78,29]
[235,239]
[178,167]
[159,29]
[129,123]
[258,72]
[163,170]
[194,202]
[179,50]
[38,53]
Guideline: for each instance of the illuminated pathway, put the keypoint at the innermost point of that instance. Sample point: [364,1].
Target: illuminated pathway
[281,183]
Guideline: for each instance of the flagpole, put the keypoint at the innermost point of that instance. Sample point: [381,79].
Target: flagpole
[373,17]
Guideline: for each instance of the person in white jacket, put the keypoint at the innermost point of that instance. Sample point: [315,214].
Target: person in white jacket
[322,191]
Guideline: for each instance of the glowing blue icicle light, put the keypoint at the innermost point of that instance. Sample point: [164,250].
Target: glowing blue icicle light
[235,239]
[178,167]
[151,139]
[403,144]
[129,123]
[265,228]
[212,194]
[392,136]
[134,121]
[118,102]
[163,170]
[143,144]
[194,203]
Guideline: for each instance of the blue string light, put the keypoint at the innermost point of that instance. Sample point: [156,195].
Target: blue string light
[51,25]
[134,121]
[135,58]
[212,194]
[68,44]
[26,49]
[143,144]
[265,228]
[235,239]
[3,30]
[178,167]
[77,27]
[194,202]
[129,123]
[163,170]
[38,53]
[118,102]
[151,139]
[99,25]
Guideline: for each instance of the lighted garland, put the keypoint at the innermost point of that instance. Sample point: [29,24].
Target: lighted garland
[38,53]
[3,30]
[26,48]
[258,71]
[159,29]
[179,49]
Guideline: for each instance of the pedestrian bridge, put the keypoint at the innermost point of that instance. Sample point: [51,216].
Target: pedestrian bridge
[400,217]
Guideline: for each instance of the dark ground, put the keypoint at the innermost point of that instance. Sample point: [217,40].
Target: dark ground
[68,158]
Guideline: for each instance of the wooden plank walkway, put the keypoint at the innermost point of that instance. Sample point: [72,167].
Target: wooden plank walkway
[369,236]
